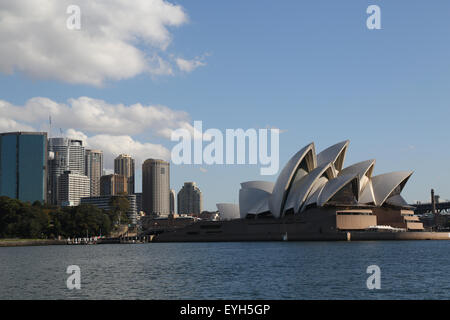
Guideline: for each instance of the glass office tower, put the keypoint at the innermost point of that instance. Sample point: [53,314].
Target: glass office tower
[23,165]
[65,155]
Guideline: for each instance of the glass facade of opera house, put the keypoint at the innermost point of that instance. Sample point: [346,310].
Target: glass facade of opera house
[23,165]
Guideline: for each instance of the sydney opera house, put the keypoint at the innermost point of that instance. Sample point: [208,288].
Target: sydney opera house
[314,198]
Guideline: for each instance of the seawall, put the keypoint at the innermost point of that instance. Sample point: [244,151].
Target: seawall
[25,242]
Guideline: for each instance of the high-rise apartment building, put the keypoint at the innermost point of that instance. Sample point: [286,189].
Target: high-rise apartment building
[124,165]
[93,169]
[156,187]
[23,165]
[172,201]
[113,184]
[138,201]
[65,154]
[190,199]
[72,186]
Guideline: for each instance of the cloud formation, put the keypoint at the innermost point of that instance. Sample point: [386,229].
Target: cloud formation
[189,65]
[94,116]
[118,39]
[108,127]
[112,146]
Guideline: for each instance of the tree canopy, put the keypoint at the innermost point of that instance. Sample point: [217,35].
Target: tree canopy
[37,220]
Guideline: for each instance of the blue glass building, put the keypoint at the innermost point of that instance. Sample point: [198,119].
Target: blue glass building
[23,165]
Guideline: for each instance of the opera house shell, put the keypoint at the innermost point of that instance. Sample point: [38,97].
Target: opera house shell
[315,197]
[311,181]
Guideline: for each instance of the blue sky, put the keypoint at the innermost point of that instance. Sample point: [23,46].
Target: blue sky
[310,68]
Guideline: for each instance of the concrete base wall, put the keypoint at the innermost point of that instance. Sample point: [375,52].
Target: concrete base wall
[355,222]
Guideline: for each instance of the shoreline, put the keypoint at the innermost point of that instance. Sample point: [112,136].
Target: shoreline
[30,242]
[343,236]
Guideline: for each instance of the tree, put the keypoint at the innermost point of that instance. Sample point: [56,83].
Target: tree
[119,208]
[20,219]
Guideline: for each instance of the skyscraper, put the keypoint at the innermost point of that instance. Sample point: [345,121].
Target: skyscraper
[156,187]
[113,184]
[124,165]
[190,199]
[138,201]
[65,154]
[72,186]
[172,201]
[94,169]
[23,165]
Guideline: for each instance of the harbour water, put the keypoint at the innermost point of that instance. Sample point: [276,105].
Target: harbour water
[203,271]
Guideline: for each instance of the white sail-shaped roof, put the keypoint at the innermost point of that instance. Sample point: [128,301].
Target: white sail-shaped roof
[228,211]
[334,154]
[397,201]
[304,160]
[249,198]
[320,180]
[301,188]
[261,207]
[367,195]
[385,184]
[313,197]
[261,185]
[364,170]
[334,186]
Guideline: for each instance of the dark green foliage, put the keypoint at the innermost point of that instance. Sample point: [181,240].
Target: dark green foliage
[119,207]
[23,220]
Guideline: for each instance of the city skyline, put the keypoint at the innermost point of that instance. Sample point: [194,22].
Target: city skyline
[188,151]
[385,90]
[62,171]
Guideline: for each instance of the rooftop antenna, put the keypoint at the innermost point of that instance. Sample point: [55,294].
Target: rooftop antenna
[50,126]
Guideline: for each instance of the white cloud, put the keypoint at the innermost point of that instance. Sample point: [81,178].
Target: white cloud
[118,39]
[109,127]
[189,65]
[112,146]
[95,116]
[9,125]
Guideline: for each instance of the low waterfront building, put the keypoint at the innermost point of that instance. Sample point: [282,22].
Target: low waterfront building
[104,202]
[315,198]
[311,180]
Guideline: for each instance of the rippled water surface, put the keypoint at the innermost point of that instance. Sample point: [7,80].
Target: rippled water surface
[266,270]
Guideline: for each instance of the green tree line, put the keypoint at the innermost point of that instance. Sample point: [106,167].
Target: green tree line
[41,221]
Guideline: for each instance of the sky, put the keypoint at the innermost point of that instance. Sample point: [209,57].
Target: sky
[137,70]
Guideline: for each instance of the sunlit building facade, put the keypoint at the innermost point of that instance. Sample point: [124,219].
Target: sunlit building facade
[124,165]
[23,166]
[65,154]
[94,169]
[156,187]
